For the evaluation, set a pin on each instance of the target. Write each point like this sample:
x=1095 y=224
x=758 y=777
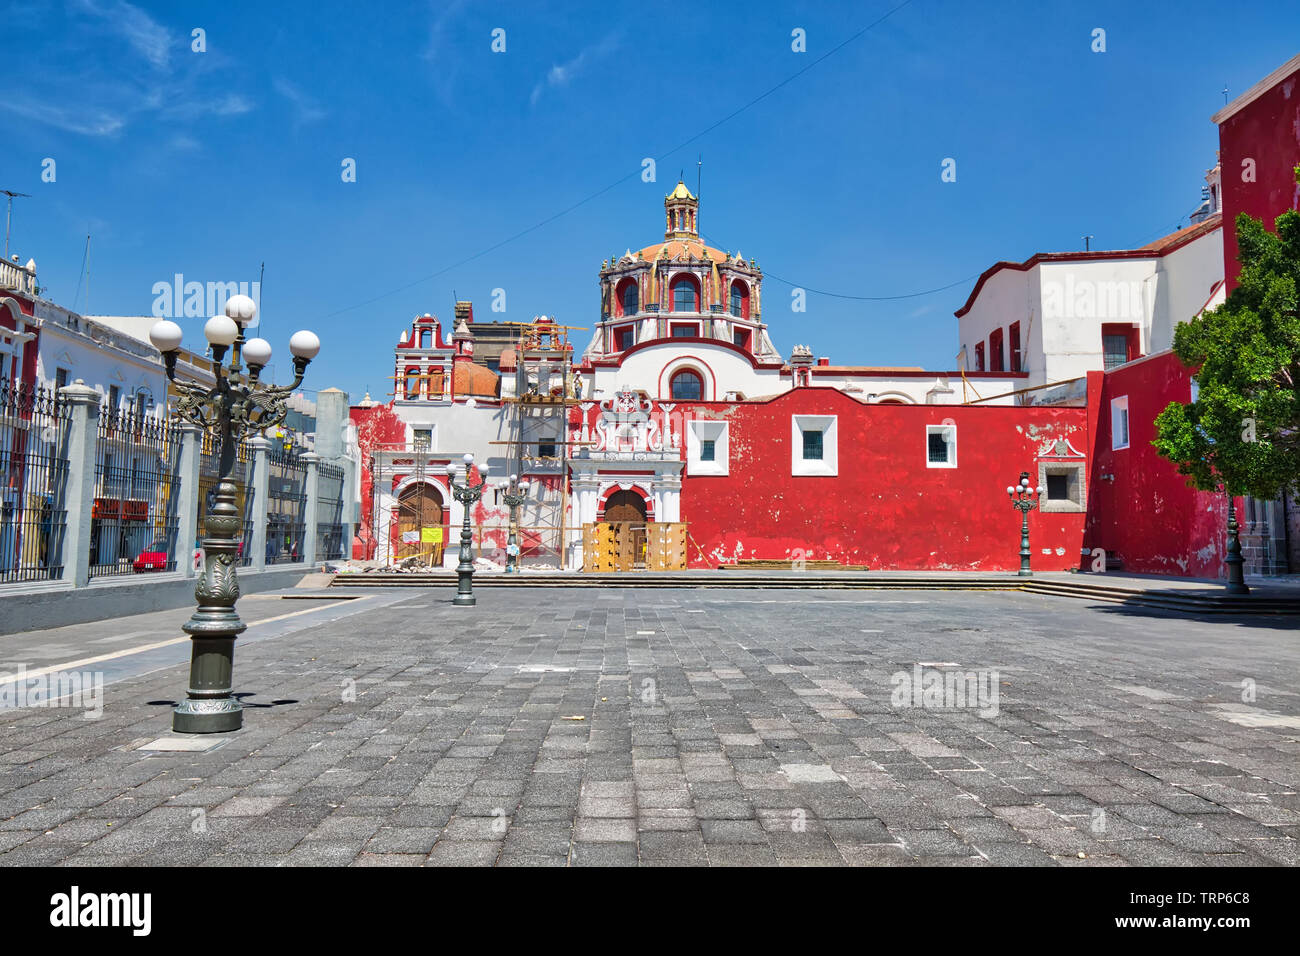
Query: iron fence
x=134 y=517
x=286 y=507
x=241 y=474
x=329 y=514
x=34 y=429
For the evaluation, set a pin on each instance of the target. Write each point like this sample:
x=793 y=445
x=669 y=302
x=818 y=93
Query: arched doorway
x=419 y=506
x=627 y=510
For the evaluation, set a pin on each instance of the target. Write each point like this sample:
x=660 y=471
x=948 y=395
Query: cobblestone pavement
x=682 y=727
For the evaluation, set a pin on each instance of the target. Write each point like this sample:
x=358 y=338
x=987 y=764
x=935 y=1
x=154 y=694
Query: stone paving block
x=464 y=853
x=453 y=741
x=604 y=830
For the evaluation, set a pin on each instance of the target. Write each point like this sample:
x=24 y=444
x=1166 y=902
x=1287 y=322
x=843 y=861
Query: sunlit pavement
x=555 y=727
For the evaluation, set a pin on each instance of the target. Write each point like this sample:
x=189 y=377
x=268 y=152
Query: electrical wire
x=636 y=172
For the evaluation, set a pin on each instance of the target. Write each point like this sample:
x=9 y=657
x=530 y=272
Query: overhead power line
x=636 y=172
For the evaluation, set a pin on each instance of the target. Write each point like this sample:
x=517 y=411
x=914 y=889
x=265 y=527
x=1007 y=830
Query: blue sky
x=209 y=164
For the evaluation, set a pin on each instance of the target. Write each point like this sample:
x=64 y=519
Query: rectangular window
x=814 y=445
x=1119 y=422
x=1064 y=483
x=423 y=438
x=995 y=351
x=706 y=447
x=114 y=396
x=1119 y=344
x=685 y=331
x=60 y=378
x=547 y=448
x=1015 y=346
x=1114 y=350
x=941 y=446
x=979 y=356
x=740 y=337
x=624 y=338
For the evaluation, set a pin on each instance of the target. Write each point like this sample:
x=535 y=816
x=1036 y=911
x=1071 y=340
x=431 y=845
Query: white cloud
x=92 y=122
x=306 y=109
x=142 y=32
x=561 y=74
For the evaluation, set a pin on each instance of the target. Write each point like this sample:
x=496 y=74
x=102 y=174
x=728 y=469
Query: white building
x=1057 y=316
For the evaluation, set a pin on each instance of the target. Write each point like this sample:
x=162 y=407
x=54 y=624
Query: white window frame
x=1118 y=406
x=429 y=427
x=702 y=430
x=1075 y=475
x=952 y=446
x=829 y=464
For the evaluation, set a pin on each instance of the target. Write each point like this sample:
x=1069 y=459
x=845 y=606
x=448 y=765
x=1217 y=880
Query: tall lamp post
x=1024 y=499
x=514 y=498
x=466 y=494
x=1234 y=561
x=237 y=404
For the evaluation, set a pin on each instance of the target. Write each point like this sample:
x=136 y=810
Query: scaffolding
x=537 y=436
x=418 y=515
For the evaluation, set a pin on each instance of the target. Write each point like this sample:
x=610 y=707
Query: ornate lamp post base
x=210 y=706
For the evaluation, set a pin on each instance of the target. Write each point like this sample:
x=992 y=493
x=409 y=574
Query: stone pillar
x=80 y=491
x=188 y=513
x=261 y=489
x=333 y=420
x=313 y=509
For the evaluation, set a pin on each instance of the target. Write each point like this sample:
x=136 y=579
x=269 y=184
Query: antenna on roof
x=1087 y=243
x=1225 y=94
x=85 y=256
x=699 y=173
x=10 y=214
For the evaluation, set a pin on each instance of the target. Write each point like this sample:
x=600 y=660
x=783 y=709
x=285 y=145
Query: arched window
x=412 y=383
x=687 y=386
x=628 y=297
x=686 y=295
x=740 y=300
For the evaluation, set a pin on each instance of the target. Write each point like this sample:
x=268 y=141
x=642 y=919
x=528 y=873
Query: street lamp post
x=237 y=404
x=514 y=499
x=466 y=494
x=1024 y=499
x=1234 y=561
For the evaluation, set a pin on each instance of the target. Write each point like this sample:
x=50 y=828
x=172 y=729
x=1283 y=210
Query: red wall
x=1149 y=515
x=377 y=426
x=1268 y=131
x=885 y=509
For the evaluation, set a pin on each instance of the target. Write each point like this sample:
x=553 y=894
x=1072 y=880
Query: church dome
x=471 y=380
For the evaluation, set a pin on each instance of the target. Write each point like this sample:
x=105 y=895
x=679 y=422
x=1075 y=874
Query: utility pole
x=10 y=214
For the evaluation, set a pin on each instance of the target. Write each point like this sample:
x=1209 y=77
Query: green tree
x=1243 y=429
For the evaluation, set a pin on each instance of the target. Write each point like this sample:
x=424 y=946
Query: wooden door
x=626 y=511
x=419 y=506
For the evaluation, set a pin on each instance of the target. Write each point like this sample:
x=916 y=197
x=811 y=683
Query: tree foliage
x=1243 y=429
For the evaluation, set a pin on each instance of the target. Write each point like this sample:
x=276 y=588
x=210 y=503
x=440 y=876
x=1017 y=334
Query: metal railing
x=329 y=517
x=33 y=478
x=134 y=517
x=286 y=507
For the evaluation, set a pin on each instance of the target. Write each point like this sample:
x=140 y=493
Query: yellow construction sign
x=431 y=536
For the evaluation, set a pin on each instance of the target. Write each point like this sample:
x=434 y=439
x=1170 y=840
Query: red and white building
x=682 y=408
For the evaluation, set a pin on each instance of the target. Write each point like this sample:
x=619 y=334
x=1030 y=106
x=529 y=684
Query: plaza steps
x=1085 y=587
